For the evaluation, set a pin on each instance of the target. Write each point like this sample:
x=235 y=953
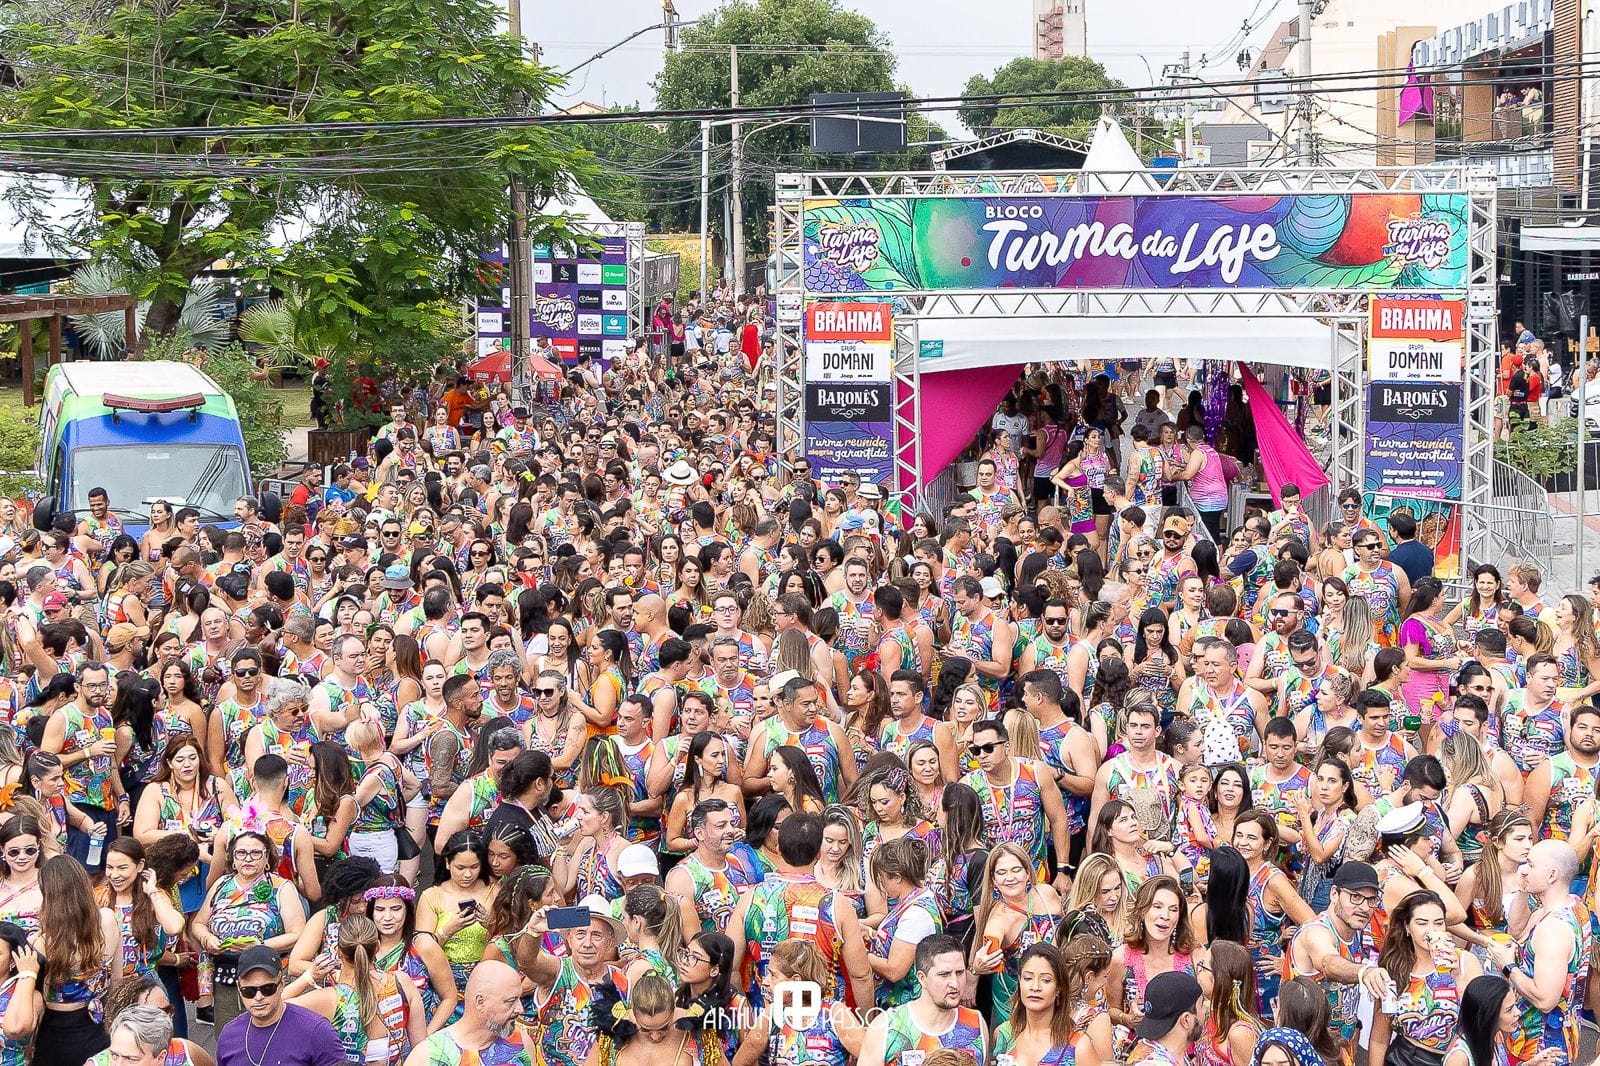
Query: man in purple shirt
x=271 y=1031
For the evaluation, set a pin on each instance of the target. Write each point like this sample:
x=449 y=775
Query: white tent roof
x=1112 y=166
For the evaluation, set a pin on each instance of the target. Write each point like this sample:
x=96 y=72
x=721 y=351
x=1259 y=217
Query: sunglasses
x=546 y=691
x=21 y=853
x=1372 y=544
x=985 y=749
x=1278 y=612
x=258 y=991
x=252 y=672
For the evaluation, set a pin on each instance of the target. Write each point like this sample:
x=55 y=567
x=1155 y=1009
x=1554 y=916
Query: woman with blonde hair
x=1101 y=888
x=1024 y=730
x=1014 y=914
x=1476 y=795
x=969 y=705
x=376 y=1016
x=1576 y=648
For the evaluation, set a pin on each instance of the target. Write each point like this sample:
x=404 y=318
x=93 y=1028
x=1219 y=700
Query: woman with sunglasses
x=557 y=728
x=20 y=899
x=250 y=905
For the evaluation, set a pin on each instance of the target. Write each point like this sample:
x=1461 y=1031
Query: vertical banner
x=580 y=304
x=849 y=364
x=1416 y=411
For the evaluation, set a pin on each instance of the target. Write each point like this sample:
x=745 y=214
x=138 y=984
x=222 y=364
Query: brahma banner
x=1415 y=339
x=849 y=365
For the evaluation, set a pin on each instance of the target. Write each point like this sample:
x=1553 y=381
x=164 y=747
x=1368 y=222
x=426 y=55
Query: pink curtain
x=1284 y=455
x=955 y=405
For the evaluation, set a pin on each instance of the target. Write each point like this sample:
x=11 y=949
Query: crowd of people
x=600 y=733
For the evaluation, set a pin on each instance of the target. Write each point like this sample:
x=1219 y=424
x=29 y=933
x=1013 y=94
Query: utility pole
x=521 y=274
x=705 y=204
x=1188 y=116
x=1307 y=146
x=737 y=176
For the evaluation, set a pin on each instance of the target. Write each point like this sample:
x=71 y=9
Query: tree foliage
x=789 y=49
x=1024 y=77
x=365 y=226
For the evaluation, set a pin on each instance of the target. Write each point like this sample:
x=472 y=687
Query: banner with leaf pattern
x=1342 y=241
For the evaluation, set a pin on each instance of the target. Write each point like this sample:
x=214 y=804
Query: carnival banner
x=1339 y=241
x=1414 y=439
x=849 y=422
x=1416 y=339
x=580 y=304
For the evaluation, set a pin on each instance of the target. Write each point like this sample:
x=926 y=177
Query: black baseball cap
x=1167 y=997
x=262 y=957
x=1353 y=875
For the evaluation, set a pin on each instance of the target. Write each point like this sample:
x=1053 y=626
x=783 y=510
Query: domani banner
x=1416 y=339
x=1341 y=241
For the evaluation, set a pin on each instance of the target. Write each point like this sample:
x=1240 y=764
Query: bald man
x=487 y=1031
x=1555 y=944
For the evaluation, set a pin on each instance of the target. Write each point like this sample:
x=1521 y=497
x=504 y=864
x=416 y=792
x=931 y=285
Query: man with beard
x=709 y=876
x=1333 y=949
x=935 y=1020
x=564 y=986
x=81 y=734
x=487 y=1031
x=1560 y=784
x=450 y=747
x=1174 y=1017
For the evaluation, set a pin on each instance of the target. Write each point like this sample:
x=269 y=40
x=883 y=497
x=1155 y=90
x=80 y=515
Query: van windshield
x=209 y=477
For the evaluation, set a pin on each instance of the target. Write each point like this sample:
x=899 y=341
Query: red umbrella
x=543 y=368
x=496 y=366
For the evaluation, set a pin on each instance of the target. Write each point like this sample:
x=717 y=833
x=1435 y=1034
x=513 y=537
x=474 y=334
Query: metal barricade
x=1520 y=522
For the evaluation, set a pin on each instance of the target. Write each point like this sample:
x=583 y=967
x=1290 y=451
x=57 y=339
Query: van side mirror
x=271 y=507
x=44 y=513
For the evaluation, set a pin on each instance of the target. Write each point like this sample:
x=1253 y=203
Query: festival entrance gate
x=1029 y=258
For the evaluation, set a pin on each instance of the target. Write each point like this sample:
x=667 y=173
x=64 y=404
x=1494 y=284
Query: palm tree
x=200 y=325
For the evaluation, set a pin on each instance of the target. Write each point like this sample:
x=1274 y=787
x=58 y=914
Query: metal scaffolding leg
x=1348 y=399
x=1477 y=474
x=908 y=413
x=790 y=293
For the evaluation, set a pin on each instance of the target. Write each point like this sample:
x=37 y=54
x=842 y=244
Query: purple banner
x=849 y=430
x=580 y=304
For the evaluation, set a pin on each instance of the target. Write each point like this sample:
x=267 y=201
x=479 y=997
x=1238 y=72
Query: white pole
x=1583 y=447
x=1303 y=47
x=737 y=176
x=705 y=203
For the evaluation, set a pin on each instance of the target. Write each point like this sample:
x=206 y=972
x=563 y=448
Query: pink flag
x=1284 y=455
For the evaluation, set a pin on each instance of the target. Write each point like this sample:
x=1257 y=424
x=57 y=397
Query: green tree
x=789 y=49
x=364 y=225
x=1024 y=77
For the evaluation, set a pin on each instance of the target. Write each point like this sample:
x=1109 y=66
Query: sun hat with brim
x=679 y=473
x=598 y=907
x=397 y=577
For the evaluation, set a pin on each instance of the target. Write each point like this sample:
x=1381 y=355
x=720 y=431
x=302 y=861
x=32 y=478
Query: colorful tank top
x=816 y=742
x=137 y=959
x=1159 y=783
x=792 y=1040
x=910 y=654
x=1344 y=999
x=892 y=735
x=1036 y=929
x=1214 y=1049
x=1266 y=941
x=441 y=1050
x=567 y=1036
x=340 y=698
x=88 y=781
x=1367 y=764
x=595 y=876
x=1053 y=742
x=1426 y=1010
x=1382 y=590
x=717 y=892
x=783 y=908
x=380 y=813
x=1012 y=813
x=979 y=634
x=352 y=1033
x=246 y=914
x=1558 y=1028
x=1529 y=734
x=1570 y=785
x=907 y=988
x=457 y=772
x=855 y=626
x=905 y=1043
x=641 y=829
x=403 y=958
x=1005 y=1041
x=1048 y=656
